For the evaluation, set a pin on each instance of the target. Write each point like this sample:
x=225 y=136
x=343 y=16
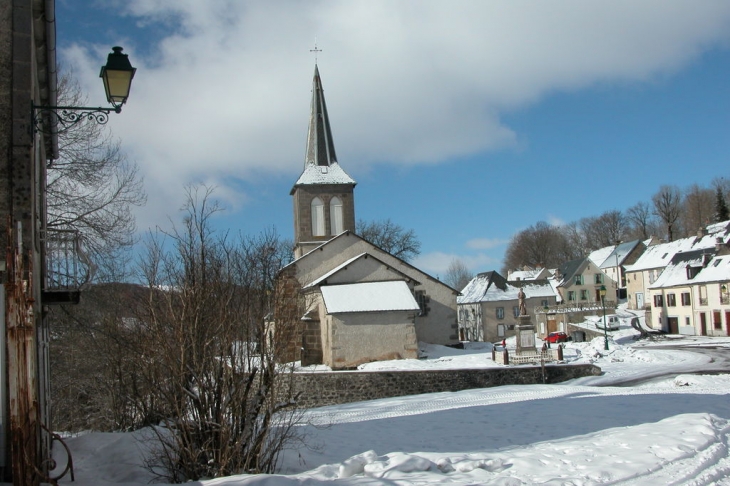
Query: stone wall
x=333 y=388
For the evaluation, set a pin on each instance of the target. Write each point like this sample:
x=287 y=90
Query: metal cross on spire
x=315 y=50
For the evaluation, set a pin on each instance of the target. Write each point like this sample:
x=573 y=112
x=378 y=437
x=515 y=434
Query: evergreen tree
x=721 y=210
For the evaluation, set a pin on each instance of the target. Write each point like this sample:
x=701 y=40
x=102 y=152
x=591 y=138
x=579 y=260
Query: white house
x=691 y=295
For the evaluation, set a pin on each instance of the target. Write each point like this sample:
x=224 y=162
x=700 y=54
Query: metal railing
x=66 y=265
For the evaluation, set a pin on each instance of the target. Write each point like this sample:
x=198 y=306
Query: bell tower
x=323 y=195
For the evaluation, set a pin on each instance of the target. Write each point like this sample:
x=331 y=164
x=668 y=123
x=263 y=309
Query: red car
x=556 y=337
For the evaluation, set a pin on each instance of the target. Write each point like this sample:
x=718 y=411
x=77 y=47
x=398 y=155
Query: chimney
x=702 y=231
x=706 y=257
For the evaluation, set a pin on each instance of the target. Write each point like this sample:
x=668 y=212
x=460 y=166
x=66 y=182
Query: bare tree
x=92 y=187
x=641 y=220
x=541 y=245
x=667 y=206
x=391 y=237
x=210 y=349
x=697 y=207
x=458 y=274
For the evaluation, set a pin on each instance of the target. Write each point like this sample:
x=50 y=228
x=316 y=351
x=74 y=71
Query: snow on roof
x=619 y=254
x=658 y=256
x=316 y=174
x=369 y=297
x=531 y=274
x=480 y=290
x=510 y=293
x=599 y=256
x=715 y=269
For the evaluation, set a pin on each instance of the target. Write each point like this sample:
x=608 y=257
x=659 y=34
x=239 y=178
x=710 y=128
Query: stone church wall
x=333 y=388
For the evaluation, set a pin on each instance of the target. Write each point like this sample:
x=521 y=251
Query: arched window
x=336 y=215
x=317 y=217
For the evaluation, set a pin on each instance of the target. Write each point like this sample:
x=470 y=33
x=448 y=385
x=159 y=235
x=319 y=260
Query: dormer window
x=692 y=272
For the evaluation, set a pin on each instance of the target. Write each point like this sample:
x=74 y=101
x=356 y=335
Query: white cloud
x=555 y=221
x=485 y=243
x=226 y=94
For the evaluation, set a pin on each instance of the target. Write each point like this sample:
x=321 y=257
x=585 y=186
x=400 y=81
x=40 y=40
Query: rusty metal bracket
x=51 y=463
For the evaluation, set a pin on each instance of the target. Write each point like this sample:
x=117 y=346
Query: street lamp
x=602 y=291
x=117 y=76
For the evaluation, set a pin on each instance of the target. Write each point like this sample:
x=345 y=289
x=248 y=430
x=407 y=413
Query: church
x=360 y=303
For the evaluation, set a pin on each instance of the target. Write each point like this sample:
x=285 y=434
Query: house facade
x=650 y=265
x=358 y=302
x=614 y=266
x=488 y=307
x=692 y=295
x=580 y=282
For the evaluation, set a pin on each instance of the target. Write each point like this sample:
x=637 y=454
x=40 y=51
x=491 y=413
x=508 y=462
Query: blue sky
x=466 y=121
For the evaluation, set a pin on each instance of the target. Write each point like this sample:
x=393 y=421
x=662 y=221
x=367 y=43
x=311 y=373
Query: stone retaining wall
x=333 y=388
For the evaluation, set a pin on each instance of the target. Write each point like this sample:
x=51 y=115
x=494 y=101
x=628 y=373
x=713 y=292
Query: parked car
x=612 y=323
x=556 y=337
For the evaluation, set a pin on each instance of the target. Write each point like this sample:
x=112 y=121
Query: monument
x=525 y=329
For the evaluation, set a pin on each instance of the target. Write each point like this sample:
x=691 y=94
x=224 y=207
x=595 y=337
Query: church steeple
x=323 y=194
x=320 y=147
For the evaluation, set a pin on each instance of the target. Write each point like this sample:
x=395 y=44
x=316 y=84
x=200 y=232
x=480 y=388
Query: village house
x=650 y=265
x=488 y=307
x=580 y=282
x=691 y=295
x=614 y=263
x=358 y=302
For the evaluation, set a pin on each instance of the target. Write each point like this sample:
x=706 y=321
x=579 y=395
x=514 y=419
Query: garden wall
x=332 y=388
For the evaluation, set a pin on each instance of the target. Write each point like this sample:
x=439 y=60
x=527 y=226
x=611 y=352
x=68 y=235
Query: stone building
x=358 y=302
x=27 y=75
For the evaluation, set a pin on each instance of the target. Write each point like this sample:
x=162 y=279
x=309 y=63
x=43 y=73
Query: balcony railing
x=67 y=268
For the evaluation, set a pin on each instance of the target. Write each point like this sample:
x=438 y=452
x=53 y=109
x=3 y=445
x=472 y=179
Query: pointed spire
x=320 y=146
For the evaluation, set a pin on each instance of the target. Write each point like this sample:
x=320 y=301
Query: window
x=579 y=279
x=659 y=300
x=724 y=297
x=671 y=300
x=703 y=295
x=584 y=294
x=336 y=215
x=317 y=217
x=687 y=321
x=598 y=278
x=686 y=300
x=571 y=295
x=500 y=312
x=422 y=300
x=544 y=303
x=651 y=276
x=516 y=311
x=500 y=330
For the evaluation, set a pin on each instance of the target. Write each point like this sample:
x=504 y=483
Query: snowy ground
x=672 y=430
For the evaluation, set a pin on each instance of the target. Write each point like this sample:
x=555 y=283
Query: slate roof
x=599 y=256
x=320 y=161
x=568 y=270
x=619 y=253
x=369 y=297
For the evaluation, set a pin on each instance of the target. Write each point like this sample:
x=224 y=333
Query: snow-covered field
x=672 y=430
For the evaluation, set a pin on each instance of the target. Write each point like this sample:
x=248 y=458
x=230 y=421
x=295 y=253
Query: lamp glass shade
x=117 y=76
x=602 y=291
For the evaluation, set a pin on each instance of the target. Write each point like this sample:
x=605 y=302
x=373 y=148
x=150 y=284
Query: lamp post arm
x=62 y=118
